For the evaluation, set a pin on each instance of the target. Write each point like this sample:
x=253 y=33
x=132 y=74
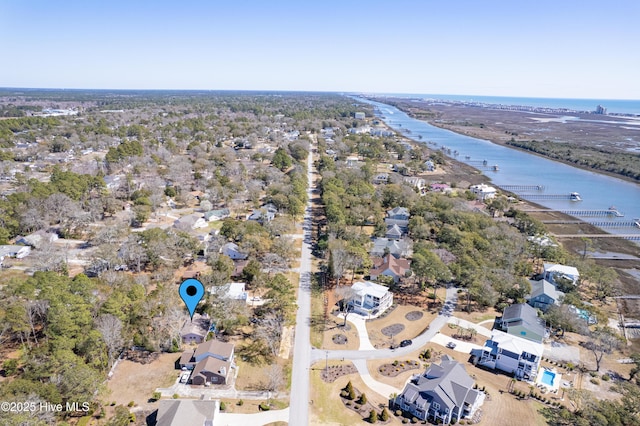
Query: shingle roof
x=178 y=412
x=215 y=347
x=448 y=382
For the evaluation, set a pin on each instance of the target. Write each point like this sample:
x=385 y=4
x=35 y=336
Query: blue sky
x=579 y=49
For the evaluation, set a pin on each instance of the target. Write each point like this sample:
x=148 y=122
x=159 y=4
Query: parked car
x=184 y=377
x=451 y=345
x=405 y=343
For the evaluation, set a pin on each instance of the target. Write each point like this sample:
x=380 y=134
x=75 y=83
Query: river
x=598 y=192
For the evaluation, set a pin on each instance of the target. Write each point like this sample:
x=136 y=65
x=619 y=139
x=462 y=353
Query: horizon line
x=340 y=92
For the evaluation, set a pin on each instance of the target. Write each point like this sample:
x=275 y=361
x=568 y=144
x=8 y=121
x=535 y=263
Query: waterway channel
x=598 y=192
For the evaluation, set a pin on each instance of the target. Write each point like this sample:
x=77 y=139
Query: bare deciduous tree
x=110 y=327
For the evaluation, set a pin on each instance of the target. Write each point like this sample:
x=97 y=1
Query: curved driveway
x=421 y=340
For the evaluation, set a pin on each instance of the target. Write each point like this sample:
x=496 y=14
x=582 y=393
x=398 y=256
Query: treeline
x=68 y=332
x=623 y=164
x=11 y=126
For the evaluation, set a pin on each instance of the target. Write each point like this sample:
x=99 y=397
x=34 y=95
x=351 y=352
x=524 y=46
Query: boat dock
x=612 y=224
x=517 y=188
x=540 y=197
x=631 y=237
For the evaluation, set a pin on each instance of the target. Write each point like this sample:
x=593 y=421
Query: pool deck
x=544 y=388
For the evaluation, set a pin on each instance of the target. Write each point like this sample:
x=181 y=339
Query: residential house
x=233 y=251
x=430 y=166
x=522 y=320
x=190 y=221
x=231 y=291
x=370 y=298
x=443 y=394
x=264 y=214
x=439 y=187
x=543 y=295
x=196 y=329
x=352 y=161
x=389 y=266
x=381 y=178
x=397 y=248
x=179 y=412
x=554 y=272
x=359 y=115
x=398 y=213
x=14 y=251
x=37 y=238
x=210 y=361
x=394 y=232
x=397 y=222
x=511 y=354
x=417 y=182
x=483 y=191
x=214 y=215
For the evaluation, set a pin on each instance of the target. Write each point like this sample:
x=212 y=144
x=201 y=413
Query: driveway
x=257 y=419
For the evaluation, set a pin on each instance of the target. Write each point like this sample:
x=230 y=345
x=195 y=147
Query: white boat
x=574 y=196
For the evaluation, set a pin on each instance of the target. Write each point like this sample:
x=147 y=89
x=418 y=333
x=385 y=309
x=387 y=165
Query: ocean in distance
x=614 y=106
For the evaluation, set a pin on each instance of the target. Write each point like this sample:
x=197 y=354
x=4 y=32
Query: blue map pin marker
x=191 y=292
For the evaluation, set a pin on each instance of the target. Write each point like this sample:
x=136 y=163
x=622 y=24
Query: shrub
x=570 y=366
x=264 y=407
x=414 y=420
x=240 y=403
x=175 y=396
x=405 y=421
x=395 y=363
x=348 y=403
x=384 y=416
x=606 y=377
x=593 y=373
x=398 y=413
x=156 y=396
x=363 y=398
x=595 y=381
x=357 y=407
x=223 y=406
x=132 y=418
x=373 y=416
x=131 y=404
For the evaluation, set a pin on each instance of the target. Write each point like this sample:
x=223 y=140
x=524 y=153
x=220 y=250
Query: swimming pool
x=548 y=377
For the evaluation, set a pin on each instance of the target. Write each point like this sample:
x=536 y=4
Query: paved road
x=299 y=402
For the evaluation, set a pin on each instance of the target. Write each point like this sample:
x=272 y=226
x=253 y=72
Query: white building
x=370 y=298
x=511 y=354
x=483 y=192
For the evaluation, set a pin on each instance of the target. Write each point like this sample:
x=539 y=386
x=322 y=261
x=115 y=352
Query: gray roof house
x=394 y=232
x=178 y=412
x=397 y=248
x=398 y=213
x=233 y=251
x=443 y=393
x=213 y=215
x=522 y=320
x=264 y=214
x=543 y=295
x=195 y=330
x=554 y=272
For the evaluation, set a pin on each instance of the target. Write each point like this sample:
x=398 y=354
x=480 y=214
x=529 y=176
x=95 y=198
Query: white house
x=359 y=115
x=190 y=221
x=232 y=290
x=511 y=354
x=553 y=272
x=483 y=192
x=370 y=298
x=14 y=251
